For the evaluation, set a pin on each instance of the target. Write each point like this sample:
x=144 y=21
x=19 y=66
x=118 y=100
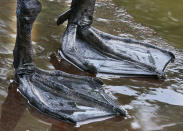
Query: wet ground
x=151 y=104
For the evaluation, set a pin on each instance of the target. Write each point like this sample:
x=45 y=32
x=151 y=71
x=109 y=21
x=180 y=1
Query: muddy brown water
x=151 y=104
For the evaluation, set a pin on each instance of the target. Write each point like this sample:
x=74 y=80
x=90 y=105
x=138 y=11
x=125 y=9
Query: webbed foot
x=71 y=98
x=106 y=53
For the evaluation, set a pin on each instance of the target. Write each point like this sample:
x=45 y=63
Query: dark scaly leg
x=27 y=11
x=80 y=13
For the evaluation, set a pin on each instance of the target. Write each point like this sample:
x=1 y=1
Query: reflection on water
x=165 y=16
x=151 y=104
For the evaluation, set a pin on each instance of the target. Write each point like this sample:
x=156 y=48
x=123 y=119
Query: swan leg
x=27 y=11
x=80 y=13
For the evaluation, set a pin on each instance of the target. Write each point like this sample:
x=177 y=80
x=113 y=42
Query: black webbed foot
x=107 y=53
x=64 y=96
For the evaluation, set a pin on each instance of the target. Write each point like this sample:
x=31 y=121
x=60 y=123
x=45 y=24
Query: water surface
x=151 y=104
x=164 y=16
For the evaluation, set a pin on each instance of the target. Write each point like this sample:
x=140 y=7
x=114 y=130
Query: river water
x=151 y=104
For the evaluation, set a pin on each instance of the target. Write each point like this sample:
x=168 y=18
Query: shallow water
x=151 y=104
x=164 y=16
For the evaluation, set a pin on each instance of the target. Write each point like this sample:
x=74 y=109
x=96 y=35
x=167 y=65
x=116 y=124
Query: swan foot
x=67 y=97
x=107 y=53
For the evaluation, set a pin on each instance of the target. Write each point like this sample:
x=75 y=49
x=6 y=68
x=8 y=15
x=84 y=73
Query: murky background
x=151 y=104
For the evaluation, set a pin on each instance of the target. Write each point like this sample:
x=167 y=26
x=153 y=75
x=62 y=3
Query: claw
x=63 y=17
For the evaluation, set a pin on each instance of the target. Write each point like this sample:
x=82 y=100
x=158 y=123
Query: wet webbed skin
x=68 y=97
x=98 y=52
